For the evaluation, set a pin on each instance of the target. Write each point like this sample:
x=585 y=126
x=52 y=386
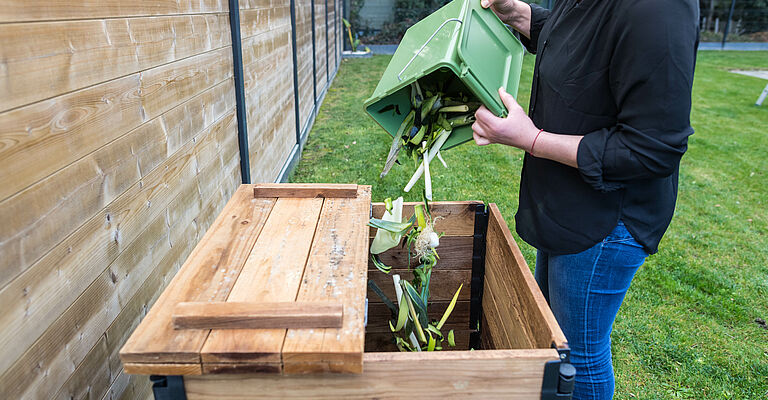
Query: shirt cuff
x=590 y=156
x=539 y=16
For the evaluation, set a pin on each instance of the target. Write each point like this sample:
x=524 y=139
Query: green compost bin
x=461 y=43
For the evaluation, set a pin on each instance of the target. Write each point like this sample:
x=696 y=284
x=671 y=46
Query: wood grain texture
x=454 y=218
x=513 y=289
x=269 y=92
x=455 y=254
x=218 y=259
x=336 y=271
x=162 y=369
x=66 y=342
x=40 y=295
x=482 y=374
x=443 y=284
x=37 y=10
x=252 y=315
x=65 y=128
x=40 y=216
x=272 y=273
x=71 y=55
x=302 y=190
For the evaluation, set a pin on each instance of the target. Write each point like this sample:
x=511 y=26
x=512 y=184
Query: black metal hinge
x=559 y=377
x=478 y=275
x=168 y=387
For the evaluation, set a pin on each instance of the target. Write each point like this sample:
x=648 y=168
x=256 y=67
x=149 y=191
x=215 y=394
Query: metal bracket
x=559 y=377
x=425 y=45
x=168 y=387
x=478 y=274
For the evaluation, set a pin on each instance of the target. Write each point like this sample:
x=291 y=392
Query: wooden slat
x=273 y=272
x=217 y=259
x=65 y=128
x=304 y=190
x=37 y=10
x=455 y=253
x=251 y=315
x=482 y=374
x=442 y=287
x=505 y=324
x=514 y=288
x=162 y=369
x=71 y=55
x=93 y=380
x=336 y=271
x=454 y=218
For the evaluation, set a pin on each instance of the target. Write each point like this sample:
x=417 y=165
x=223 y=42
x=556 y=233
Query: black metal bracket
x=314 y=60
x=237 y=63
x=478 y=275
x=168 y=387
x=295 y=74
x=559 y=377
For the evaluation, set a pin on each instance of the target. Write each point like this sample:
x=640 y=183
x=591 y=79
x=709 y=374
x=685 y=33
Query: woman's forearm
x=521 y=19
x=556 y=147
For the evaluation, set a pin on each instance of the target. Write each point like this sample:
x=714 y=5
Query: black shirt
x=620 y=73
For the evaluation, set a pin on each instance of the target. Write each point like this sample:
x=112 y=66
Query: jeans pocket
x=620 y=234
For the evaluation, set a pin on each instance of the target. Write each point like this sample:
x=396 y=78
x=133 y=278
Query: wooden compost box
x=272 y=304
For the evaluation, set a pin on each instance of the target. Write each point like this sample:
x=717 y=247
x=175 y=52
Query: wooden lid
x=285 y=255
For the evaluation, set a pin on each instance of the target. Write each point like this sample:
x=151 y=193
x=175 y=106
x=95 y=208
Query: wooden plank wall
x=118 y=148
x=304 y=62
x=268 y=75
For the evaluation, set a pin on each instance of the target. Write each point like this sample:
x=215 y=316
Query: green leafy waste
x=410 y=325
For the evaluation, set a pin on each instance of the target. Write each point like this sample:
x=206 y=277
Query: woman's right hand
x=514 y=13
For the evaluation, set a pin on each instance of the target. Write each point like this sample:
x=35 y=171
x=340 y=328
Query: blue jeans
x=585 y=291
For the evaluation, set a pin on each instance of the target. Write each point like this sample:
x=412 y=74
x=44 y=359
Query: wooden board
x=218 y=258
x=36 y=10
x=273 y=272
x=94 y=51
x=455 y=253
x=454 y=218
x=304 y=190
x=336 y=270
x=481 y=374
x=519 y=305
x=251 y=315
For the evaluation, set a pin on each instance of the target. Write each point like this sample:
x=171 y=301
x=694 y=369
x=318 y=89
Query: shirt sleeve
x=539 y=16
x=651 y=75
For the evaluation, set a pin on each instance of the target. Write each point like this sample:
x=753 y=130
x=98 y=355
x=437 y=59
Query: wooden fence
x=119 y=145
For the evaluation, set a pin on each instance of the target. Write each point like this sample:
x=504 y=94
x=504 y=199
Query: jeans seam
x=586 y=306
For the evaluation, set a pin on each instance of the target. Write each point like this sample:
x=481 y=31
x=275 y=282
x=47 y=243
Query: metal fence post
x=728 y=23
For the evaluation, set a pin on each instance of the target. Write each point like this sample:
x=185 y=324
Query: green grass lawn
x=688 y=326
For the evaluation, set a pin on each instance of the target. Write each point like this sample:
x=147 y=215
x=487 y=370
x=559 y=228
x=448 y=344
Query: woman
x=609 y=122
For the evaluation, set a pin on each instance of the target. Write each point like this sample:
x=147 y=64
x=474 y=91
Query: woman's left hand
x=515 y=130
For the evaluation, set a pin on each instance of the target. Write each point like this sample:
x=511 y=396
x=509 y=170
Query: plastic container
x=460 y=40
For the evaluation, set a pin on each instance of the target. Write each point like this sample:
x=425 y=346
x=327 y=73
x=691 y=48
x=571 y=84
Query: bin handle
x=425 y=44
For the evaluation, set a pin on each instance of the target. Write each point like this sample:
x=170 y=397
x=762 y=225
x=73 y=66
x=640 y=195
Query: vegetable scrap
x=434 y=114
